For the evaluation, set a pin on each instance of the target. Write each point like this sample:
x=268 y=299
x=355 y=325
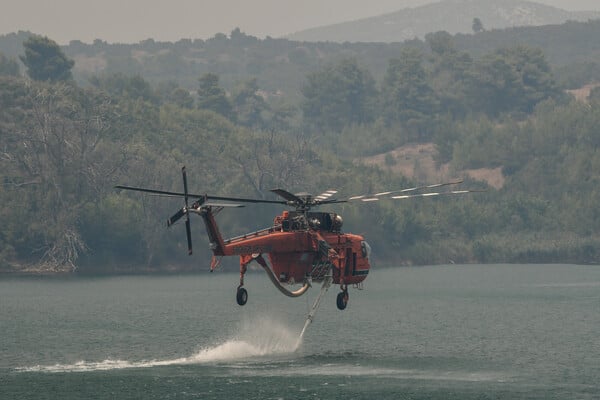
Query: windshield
x=366 y=249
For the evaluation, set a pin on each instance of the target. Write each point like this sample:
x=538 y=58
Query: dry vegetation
x=417 y=161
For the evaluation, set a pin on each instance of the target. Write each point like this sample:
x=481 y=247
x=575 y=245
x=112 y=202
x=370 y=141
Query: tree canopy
x=211 y=96
x=339 y=94
x=512 y=79
x=406 y=91
x=45 y=61
x=8 y=66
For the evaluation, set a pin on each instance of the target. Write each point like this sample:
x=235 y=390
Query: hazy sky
x=129 y=21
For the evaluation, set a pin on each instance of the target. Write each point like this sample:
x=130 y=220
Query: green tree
x=338 y=95
x=239 y=38
x=8 y=66
x=45 y=61
x=248 y=104
x=440 y=43
x=212 y=97
x=406 y=93
x=280 y=116
x=131 y=87
x=449 y=74
x=55 y=155
x=477 y=25
x=171 y=92
x=511 y=79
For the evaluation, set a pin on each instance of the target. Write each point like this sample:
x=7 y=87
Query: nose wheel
x=241 y=296
x=342 y=299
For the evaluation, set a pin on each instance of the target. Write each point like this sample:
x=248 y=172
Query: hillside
x=417 y=162
x=453 y=16
x=281 y=65
x=305 y=116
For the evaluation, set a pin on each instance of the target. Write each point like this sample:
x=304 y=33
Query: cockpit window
x=365 y=249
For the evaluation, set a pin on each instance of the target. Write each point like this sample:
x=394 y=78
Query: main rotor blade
x=241 y=199
x=412 y=189
x=198 y=196
x=332 y=201
x=213 y=204
x=325 y=195
x=436 y=185
x=433 y=194
x=287 y=195
x=153 y=191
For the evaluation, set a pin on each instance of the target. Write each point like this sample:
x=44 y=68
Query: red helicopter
x=300 y=247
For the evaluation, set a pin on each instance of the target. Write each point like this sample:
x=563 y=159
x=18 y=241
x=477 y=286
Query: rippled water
x=448 y=332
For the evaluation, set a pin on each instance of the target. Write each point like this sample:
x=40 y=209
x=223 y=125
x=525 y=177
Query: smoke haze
x=135 y=20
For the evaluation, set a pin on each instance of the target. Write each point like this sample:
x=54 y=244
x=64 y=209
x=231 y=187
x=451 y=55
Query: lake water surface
x=444 y=332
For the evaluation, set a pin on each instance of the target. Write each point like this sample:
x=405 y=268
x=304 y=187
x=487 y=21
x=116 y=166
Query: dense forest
x=280 y=66
x=66 y=139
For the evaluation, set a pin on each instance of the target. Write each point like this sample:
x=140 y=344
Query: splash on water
x=301 y=337
x=258 y=338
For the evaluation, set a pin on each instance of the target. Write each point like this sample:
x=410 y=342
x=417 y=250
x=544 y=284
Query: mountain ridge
x=453 y=16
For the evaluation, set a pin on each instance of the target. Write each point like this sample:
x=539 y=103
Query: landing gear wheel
x=241 y=296
x=342 y=300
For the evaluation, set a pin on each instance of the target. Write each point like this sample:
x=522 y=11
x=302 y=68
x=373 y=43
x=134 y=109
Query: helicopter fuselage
x=300 y=247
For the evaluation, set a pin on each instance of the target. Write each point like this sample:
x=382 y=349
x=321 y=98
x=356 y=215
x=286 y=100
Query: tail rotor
x=184 y=211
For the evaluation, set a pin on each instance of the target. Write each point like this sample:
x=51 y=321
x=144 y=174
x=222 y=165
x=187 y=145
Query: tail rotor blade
x=175 y=217
x=185 y=187
x=184 y=211
x=188 y=229
x=188 y=232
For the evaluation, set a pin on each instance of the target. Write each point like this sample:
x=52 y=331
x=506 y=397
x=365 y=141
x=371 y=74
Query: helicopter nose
x=365 y=249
